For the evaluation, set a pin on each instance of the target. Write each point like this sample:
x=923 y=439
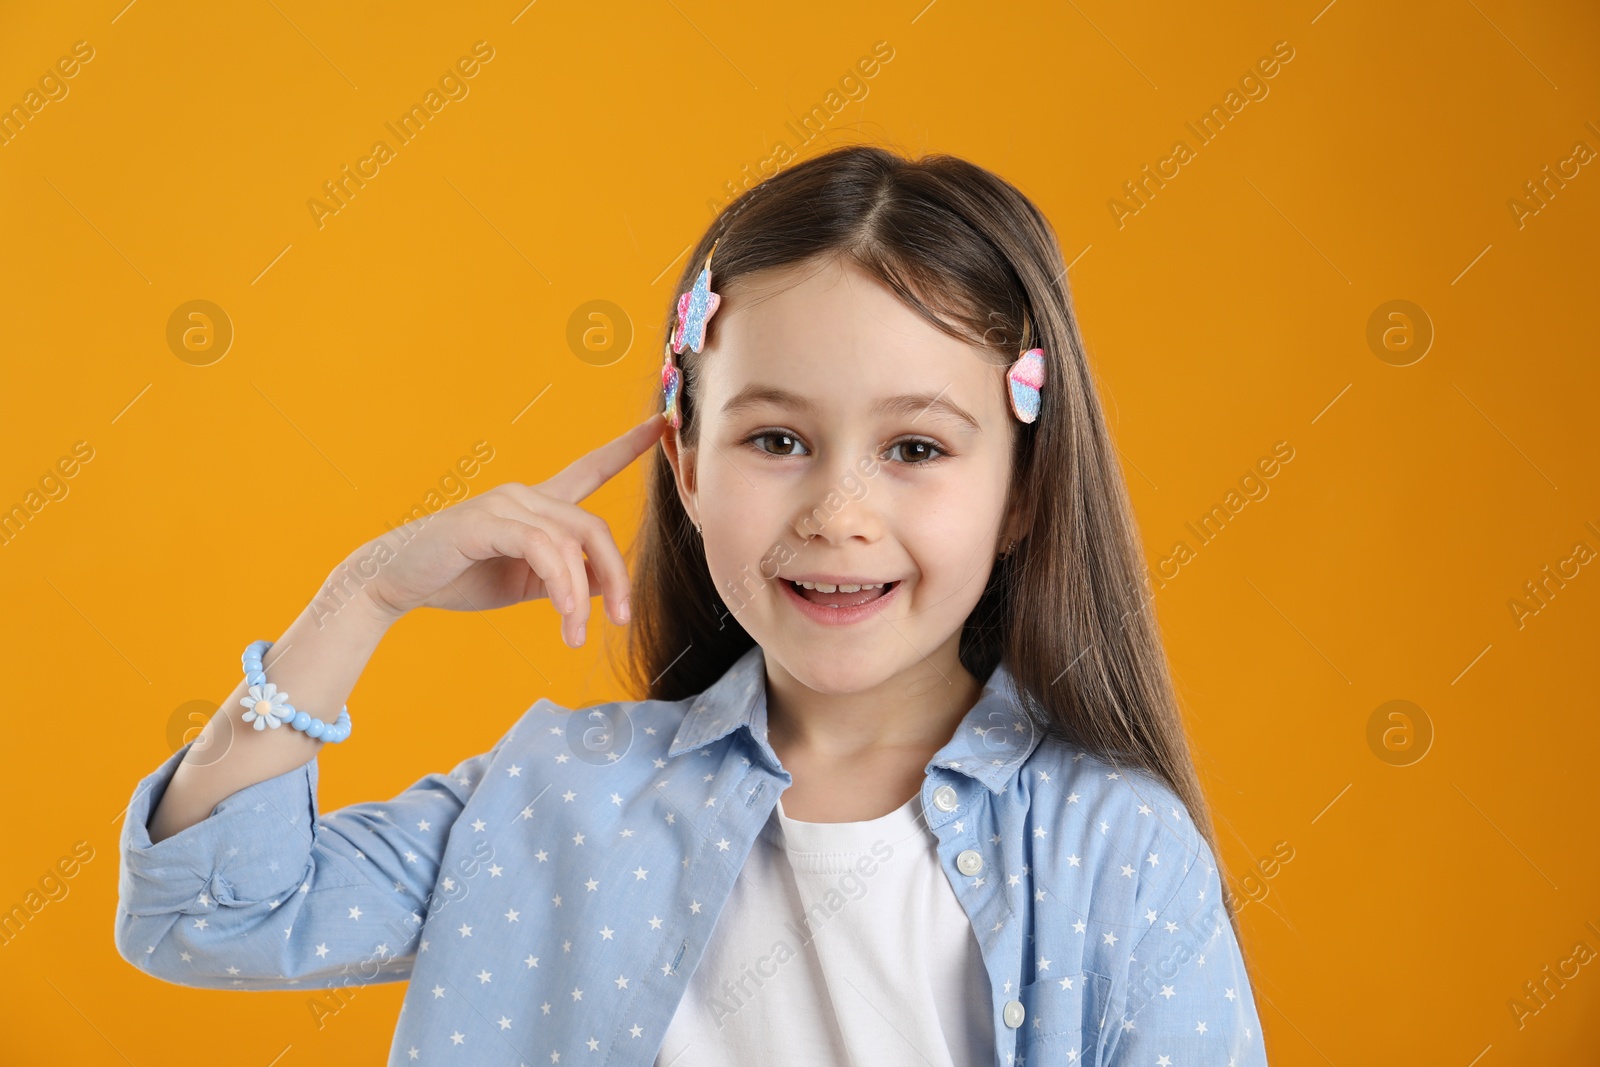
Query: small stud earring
x=1009 y=547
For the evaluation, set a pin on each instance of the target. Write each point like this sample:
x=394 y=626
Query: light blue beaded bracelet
x=269 y=706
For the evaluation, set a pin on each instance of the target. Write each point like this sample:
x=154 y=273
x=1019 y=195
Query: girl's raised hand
x=513 y=543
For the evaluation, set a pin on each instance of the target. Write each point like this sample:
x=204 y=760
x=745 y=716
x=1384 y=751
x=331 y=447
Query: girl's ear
x=683 y=470
x=1012 y=528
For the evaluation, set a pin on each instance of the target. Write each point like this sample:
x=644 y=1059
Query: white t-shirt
x=841 y=943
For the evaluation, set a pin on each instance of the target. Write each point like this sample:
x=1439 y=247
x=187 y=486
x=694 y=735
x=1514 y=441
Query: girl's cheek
x=955 y=513
x=743 y=522
x=954 y=534
x=753 y=494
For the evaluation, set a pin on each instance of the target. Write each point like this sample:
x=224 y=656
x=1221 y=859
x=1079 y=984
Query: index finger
x=587 y=473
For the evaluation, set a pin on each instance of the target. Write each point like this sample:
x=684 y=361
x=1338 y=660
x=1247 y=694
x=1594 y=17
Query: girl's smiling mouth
x=839 y=602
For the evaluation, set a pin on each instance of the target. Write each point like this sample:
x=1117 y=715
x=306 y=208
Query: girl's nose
x=841 y=505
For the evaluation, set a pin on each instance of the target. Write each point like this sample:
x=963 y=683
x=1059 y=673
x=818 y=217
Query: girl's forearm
x=316 y=662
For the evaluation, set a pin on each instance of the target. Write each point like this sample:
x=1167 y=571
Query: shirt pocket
x=1063 y=1022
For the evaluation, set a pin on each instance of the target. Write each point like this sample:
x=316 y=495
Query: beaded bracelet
x=269 y=706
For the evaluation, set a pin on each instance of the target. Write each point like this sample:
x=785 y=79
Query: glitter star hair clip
x=695 y=309
x=671 y=383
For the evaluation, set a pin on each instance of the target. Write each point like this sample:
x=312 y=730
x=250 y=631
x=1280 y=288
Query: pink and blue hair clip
x=1024 y=380
x=267 y=705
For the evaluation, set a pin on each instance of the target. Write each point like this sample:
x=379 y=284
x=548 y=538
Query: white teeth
x=823 y=587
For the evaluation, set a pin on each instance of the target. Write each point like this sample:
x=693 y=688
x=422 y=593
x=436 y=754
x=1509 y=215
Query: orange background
x=1228 y=313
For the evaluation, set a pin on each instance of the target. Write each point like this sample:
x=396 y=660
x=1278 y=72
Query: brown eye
x=787 y=443
x=917 y=452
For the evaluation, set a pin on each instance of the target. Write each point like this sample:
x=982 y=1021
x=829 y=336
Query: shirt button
x=1014 y=1013
x=944 y=798
x=969 y=862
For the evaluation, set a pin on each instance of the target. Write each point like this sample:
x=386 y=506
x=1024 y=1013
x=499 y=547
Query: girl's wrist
x=380 y=614
x=349 y=589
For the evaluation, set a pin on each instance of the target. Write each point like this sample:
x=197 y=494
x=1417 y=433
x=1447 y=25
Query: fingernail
x=581 y=630
x=622 y=610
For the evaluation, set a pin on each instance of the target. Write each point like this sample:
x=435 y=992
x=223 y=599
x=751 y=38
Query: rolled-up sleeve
x=268 y=893
x=1186 y=998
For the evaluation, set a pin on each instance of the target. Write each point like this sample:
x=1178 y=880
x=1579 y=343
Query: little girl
x=909 y=784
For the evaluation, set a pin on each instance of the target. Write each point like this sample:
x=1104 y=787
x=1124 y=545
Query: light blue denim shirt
x=549 y=899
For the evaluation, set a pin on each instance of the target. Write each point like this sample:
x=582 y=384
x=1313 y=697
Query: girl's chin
x=835 y=668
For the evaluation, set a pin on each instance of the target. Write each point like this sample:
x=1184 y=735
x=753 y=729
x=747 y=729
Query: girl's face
x=842 y=437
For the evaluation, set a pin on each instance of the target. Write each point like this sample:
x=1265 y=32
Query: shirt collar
x=738 y=698
x=994 y=739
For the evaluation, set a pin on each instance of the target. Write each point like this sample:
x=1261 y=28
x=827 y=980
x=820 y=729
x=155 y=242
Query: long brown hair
x=1069 y=609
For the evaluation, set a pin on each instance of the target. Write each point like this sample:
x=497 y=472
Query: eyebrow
x=913 y=404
